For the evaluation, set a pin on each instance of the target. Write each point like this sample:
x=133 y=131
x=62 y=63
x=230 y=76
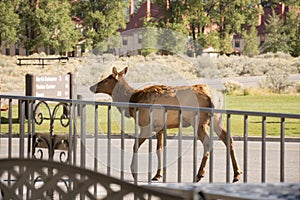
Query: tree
x=251 y=43
x=48 y=24
x=102 y=19
x=232 y=18
x=213 y=21
x=9 y=21
x=276 y=38
x=149 y=36
x=27 y=24
x=55 y=28
x=292 y=29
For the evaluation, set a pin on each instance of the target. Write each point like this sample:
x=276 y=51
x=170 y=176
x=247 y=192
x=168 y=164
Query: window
x=262 y=40
x=140 y=38
x=7 y=51
x=237 y=43
x=125 y=41
x=17 y=50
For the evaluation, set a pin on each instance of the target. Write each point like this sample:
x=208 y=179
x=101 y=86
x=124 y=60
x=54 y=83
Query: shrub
x=148 y=51
x=205 y=67
x=233 y=87
x=276 y=80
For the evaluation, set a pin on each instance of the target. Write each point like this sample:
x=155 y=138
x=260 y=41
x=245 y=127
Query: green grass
x=270 y=103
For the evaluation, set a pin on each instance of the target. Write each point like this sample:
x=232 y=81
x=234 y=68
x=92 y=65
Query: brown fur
x=195 y=96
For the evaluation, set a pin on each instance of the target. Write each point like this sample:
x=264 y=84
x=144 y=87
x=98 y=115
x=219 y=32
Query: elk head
x=108 y=84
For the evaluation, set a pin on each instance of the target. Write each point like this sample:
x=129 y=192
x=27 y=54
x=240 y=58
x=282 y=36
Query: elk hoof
x=237 y=176
x=199 y=178
x=156 y=178
x=134 y=175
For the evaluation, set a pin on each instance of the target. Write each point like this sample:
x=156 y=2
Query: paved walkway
x=292 y=159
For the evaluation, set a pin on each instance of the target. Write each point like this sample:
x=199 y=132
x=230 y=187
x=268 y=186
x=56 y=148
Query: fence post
x=282 y=125
x=245 y=148
x=30 y=90
x=263 y=150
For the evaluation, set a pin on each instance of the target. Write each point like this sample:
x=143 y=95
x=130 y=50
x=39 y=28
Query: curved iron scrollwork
x=67 y=182
x=50 y=140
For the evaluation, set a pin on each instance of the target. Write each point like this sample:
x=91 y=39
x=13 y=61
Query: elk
x=196 y=95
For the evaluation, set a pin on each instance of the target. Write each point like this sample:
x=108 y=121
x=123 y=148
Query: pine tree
x=102 y=19
x=9 y=21
x=292 y=30
x=276 y=38
x=48 y=24
x=251 y=43
x=55 y=28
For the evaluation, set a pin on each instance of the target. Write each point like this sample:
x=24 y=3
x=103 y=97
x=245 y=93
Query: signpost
x=50 y=86
x=61 y=86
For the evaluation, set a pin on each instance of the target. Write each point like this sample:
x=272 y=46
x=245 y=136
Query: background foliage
x=49 y=23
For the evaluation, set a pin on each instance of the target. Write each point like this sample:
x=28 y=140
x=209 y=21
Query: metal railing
x=86 y=133
x=40 y=179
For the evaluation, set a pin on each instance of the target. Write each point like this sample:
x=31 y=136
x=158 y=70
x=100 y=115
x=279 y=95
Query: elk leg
x=236 y=169
x=204 y=138
x=159 y=148
x=141 y=140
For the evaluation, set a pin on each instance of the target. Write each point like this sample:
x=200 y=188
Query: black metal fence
x=98 y=136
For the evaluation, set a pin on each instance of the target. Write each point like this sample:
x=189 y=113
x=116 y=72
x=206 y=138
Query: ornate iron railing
x=81 y=147
x=40 y=179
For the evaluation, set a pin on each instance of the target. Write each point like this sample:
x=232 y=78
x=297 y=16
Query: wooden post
x=30 y=90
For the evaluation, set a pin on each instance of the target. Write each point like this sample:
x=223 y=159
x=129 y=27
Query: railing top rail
x=155 y=106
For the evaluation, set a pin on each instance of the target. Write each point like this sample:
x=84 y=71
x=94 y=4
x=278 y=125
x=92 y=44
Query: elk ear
x=124 y=71
x=114 y=71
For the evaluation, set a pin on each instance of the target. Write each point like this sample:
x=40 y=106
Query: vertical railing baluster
x=9 y=127
x=33 y=134
x=136 y=137
x=83 y=141
x=196 y=121
x=282 y=148
x=108 y=140
x=165 y=119
x=150 y=145
x=179 y=164
x=29 y=135
x=9 y=135
x=211 y=144
x=245 y=148
x=21 y=128
x=96 y=146
x=75 y=113
x=122 y=142
x=0 y=119
x=71 y=142
x=263 y=150
x=21 y=139
x=83 y=136
x=228 y=149
x=29 y=138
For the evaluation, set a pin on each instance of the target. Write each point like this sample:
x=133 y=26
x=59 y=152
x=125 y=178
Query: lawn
x=270 y=103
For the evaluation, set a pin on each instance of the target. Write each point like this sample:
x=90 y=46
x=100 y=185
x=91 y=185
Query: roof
x=137 y=20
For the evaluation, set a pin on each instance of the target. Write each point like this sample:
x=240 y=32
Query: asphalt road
x=251 y=81
x=292 y=159
x=214 y=83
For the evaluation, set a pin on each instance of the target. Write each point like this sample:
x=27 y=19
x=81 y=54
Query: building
x=280 y=9
x=131 y=38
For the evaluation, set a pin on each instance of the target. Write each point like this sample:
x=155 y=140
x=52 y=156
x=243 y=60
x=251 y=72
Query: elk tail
x=217 y=102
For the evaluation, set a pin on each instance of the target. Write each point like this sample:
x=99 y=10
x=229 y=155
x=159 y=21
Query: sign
x=49 y=86
x=52 y=86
